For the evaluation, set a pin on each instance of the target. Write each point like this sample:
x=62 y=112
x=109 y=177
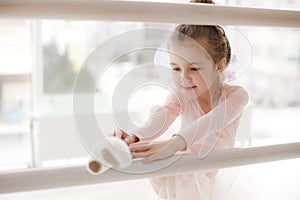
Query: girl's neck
x=211 y=97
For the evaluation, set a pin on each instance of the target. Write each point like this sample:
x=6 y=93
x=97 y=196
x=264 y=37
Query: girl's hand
x=156 y=150
x=128 y=138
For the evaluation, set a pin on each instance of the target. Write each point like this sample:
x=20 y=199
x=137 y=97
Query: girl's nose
x=186 y=76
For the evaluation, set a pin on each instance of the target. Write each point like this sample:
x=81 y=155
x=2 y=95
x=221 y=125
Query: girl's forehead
x=188 y=51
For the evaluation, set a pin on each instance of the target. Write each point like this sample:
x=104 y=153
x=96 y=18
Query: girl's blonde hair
x=217 y=44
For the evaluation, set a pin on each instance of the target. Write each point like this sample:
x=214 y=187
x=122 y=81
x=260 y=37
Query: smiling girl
x=210 y=110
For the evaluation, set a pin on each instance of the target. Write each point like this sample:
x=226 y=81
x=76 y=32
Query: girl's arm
x=219 y=117
x=159 y=121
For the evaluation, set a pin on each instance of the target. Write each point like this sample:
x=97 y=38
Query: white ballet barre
x=37 y=179
x=148 y=12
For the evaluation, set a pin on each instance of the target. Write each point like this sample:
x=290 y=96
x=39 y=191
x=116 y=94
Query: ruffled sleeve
x=160 y=120
x=212 y=123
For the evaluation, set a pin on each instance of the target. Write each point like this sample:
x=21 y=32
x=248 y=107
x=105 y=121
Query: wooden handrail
x=189 y=13
x=46 y=178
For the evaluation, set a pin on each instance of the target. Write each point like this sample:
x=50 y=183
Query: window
x=63 y=47
x=15 y=91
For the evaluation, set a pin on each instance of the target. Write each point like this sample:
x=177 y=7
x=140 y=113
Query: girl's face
x=193 y=70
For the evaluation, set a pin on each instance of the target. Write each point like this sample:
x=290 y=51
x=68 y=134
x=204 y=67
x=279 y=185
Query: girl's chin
x=191 y=92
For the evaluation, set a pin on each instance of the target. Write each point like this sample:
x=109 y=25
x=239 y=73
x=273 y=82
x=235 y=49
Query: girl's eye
x=195 y=68
x=176 y=69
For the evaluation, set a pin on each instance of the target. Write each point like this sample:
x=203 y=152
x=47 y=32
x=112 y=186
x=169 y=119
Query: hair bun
x=202 y=1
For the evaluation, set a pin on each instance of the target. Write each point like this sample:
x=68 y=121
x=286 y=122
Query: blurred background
x=39 y=61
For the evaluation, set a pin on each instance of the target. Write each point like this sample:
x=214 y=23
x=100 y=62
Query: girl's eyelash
x=195 y=68
x=192 y=68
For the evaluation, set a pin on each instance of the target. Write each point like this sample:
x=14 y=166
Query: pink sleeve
x=218 y=118
x=159 y=121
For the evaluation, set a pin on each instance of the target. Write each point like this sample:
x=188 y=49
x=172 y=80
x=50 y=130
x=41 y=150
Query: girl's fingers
x=140 y=146
x=130 y=139
x=115 y=134
x=143 y=143
x=119 y=134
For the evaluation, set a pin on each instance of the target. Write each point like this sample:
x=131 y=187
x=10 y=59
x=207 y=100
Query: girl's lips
x=189 y=88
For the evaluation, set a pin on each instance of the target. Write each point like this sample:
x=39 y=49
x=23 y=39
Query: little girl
x=210 y=111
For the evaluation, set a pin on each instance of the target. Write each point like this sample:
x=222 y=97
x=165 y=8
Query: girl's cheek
x=203 y=78
x=176 y=79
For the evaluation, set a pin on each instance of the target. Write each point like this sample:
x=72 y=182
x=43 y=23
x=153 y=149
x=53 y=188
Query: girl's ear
x=221 y=65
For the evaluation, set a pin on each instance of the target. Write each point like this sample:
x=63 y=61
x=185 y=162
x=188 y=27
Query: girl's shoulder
x=236 y=91
x=234 y=88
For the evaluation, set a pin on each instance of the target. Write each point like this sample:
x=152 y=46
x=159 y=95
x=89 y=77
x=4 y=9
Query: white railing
x=148 y=12
x=37 y=179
